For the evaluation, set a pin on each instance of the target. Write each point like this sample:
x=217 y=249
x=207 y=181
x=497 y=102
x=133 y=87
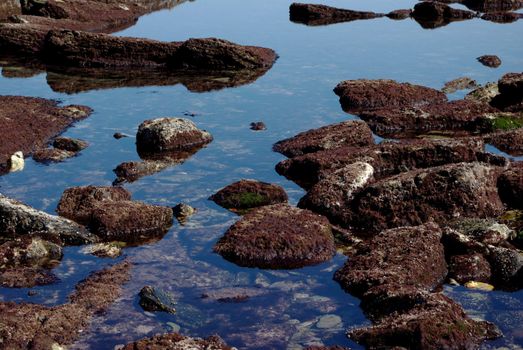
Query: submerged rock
x=278 y=237
x=69 y=144
x=29 y=123
x=170 y=134
x=128 y=221
x=105 y=250
x=247 y=194
x=348 y=133
x=19 y=219
x=52 y=155
x=78 y=203
x=314 y=14
x=373 y=94
x=492 y=61
x=155 y=299
x=182 y=212
x=175 y=341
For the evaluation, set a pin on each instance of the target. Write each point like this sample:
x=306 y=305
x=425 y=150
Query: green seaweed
x=247 y=200
x=505 y=122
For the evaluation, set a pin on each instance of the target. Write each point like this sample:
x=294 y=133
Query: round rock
x=278 y=237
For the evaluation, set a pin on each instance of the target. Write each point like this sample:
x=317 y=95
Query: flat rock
x=247 y=194
x=491 y=61
x=52 y=155
x=314 y=14
x=78 y=203
x=232 y=294
x=69 y=144
x=28 y=123
x=170 y=134
x=374 y=94
x=440 y=194
x=347 y=133
x=131 y=222
x=464 y=83
x=175 y=341
x=278 y=237
x=19 y=219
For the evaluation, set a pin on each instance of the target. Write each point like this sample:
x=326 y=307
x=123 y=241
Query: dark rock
x=387 y=158
x=510 y=96
x=19 y=219
x=510 y=186
x=248 y=194
x=29 y=123
x=435 y=323
x=29 y=251
x=175 y=341
x=494 y=6
x=507 y=267
x=155 y=299
x=510 y=142
x=18 y=39
x=473 y=267
x=9 y=8
x=132 y=222
x=278 y=237
x=170 y=134
x=415 y=197
x=53 y=155
x=258 y=126
x=446 y=116
x=401 y=257
x=491 y=61
x=464 y=83
x=348 y=133
x=399 y=14
x=182 y=212
x=69 y=144
x=357 y=95
x=119 y=135
x=313 y=14
x=431 y=14
x=26 y=277
x=502 y=17
x=32 y=326
x=78 y=203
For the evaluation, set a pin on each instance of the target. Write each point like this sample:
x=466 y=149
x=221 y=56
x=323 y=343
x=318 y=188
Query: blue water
x=295 y=95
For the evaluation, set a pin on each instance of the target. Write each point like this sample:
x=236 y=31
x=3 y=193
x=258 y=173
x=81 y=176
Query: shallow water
x=295 y=95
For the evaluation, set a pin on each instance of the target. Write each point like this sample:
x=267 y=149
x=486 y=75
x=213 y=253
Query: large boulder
x=170 y=134
x=347 y=133
x=510 y=185
x=247 y=194
x=373 y=94
x=78 y=203
x=278 y=237
x=510 y=96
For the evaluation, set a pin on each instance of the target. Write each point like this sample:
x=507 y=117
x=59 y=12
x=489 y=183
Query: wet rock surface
x=52 y=155
x=155 y=299
x=175 y=341
x=348 y=133
x=29 y=123
x=247 y=194
x=463 y=83
x=313 y=14
x=492 y=61
x=278 y=236
x=32 y=326
x=510 y=142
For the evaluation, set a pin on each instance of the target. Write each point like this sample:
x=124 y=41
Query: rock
x=29 y=123
x=332 y=195
x=9 y=8
x=501 y=17
x=399 y=14
x=175 y=341
x=357 y=95
x=446 y=116
x=479 y=286
x=247 y=194
x=387 y=158
x=28 y=325
x=16 y=162
x=232 y=294
x=26 y=277
x=133 y=171
x=507 y=267
x=329 y=322
x=510 y=185
x=78 y=203
x=484 y=231
x=55 y=155
x=510 y=142
x=19 y=219
x=131 y=222
x=170 y=134
x=491 y=61
x=119 y=135
x=348 y=133
x=473 y=267
x=415 y=197
x=313 y=14
x=69 y=144
x=278 y=237
x=483 y=93
x=510 y=96
x=431 y=14
x=493 y=5
x=155 y=299
x=258 y=126
x=464 y=83
x=394 y=259
x=436 y=322
x=182 y=212
x=105 y=250
x=29 y=251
